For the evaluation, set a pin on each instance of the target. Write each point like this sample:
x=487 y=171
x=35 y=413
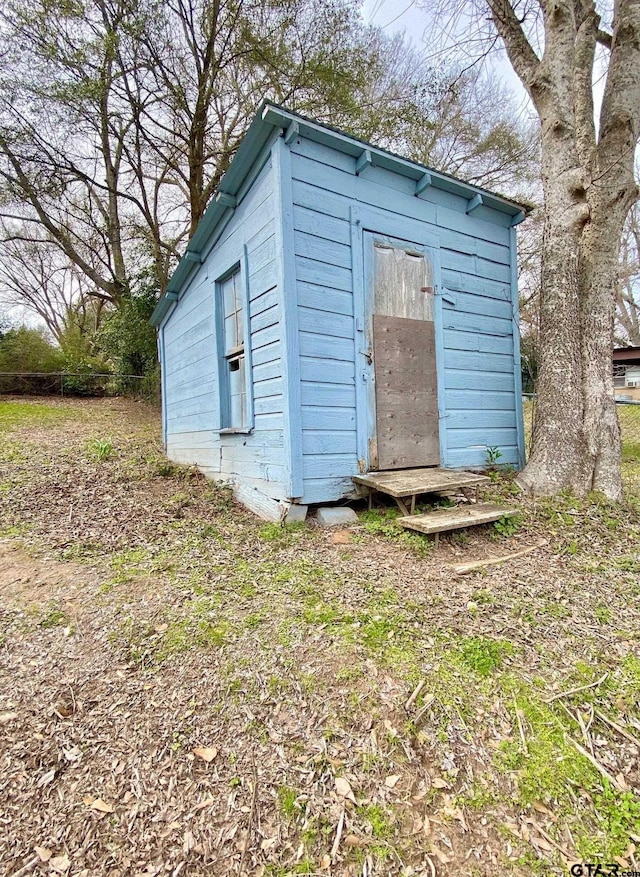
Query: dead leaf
x=442 y=858
x=392 y=781
x=541 y=808
x=343 y=788
x=208 y=801
x=42 y=853
x=325 y=862
x=622 y=782
x=456 y=813
x=352 y=840
x=206 y=753
x=7 y=717
x=101 y=806
x=341 y=537
x=60 y=864
x=47 y=778
x=64 y=709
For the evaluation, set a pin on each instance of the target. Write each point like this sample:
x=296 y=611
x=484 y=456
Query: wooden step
x=413 y=482
x=442 y=520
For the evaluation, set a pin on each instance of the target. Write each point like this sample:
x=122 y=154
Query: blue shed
x=339 y=310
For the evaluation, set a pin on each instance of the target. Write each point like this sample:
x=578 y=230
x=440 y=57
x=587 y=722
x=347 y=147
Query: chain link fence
x=629 y=418
x=78 y=384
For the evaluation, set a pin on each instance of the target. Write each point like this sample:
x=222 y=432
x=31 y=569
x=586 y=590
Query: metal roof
x=626 y=354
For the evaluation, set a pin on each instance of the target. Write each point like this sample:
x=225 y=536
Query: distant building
x=626 y=373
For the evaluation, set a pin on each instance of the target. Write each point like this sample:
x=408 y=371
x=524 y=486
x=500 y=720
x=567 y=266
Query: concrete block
x=336 y=516
x=296 y=514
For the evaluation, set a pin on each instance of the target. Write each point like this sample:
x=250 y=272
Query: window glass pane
x=230 y=333
x=233 y=370
x=237 y=394
x=239 y=326
x=229 y=296
x=238 y=291
x=233 y=312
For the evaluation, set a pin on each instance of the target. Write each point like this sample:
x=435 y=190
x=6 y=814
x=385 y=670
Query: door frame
x=369 y=225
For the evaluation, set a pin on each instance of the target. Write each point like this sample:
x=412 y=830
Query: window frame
x=226 y=357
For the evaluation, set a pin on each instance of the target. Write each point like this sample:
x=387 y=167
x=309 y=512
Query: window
x=619 y=372
x=233 y=377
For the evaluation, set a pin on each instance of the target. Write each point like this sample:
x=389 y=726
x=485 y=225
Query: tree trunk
x=576 y=439
x=587 y=176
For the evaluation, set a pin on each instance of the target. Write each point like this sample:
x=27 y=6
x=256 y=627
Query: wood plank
x=406 y=386
x=441 y=520
x=411 y=482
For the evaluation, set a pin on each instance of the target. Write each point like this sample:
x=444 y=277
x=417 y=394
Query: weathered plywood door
x=404 y=360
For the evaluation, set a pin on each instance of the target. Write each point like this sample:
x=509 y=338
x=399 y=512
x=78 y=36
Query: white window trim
x=240 y=267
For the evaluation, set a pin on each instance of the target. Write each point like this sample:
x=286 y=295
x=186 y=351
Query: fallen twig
x=31 y=864
x=520 y=727
x=336 y=842
x=601 y=770
x=549 y=839
x=416 y=692
x=470 y=565
x=619 y=728
x=252 y=809
x=578 y=689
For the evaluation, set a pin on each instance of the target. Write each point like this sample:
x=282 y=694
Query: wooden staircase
x=405 y=485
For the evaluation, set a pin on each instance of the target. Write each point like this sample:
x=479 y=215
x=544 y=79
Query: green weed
x=380 y=822
x=617 y=815
x=288 y=802
x=508 y=526
x=382 y=523
x=493 y=454
x=100 y=450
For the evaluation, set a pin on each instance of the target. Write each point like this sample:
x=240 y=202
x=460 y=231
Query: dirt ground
x=185 y=690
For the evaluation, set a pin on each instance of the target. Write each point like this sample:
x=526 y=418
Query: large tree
x=118 y=118
x=559 y=48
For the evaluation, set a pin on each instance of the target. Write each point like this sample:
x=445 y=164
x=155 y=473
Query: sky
x=430 y=31
x=433 y=34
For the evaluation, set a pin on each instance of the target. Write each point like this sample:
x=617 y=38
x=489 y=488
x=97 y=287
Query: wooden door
x=404 y=359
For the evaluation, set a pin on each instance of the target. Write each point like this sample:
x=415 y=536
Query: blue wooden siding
x=190 y=368
x=480 y=405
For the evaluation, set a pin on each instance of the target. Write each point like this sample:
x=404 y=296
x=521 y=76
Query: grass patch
x=484 y=656
x=53 y=616
x=151 y=644
x=382 y=523
x=288 y=803
x=15 y=415
x=379 y=822
x=282 y=535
